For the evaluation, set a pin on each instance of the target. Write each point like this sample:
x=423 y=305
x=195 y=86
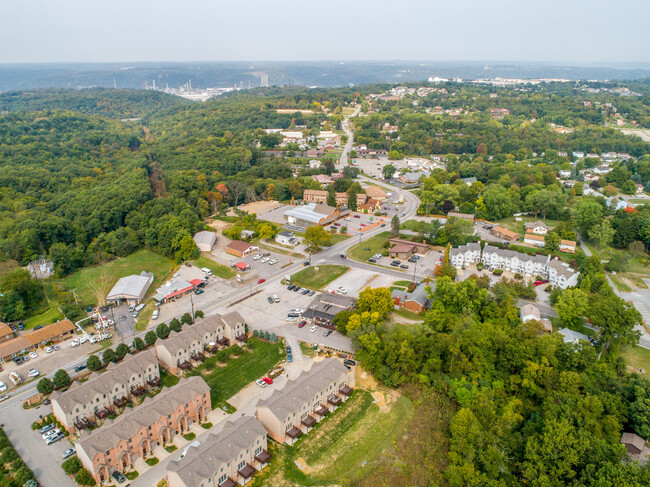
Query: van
x=275 y=298
x=156 y=312
x=206 y=271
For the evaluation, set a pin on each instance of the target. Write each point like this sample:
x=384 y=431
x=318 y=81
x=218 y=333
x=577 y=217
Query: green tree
x=121 y=350
x=186 y=249
x=266 y=232
x=150 y=338
x=162 y=331
x=388 y=171
x=175 y=325
x=45 y=386
x=377 y=300
x=186 y=319
x=19 y=293
x=315 y=238
x=138 y=344
x=353 y=191
x=61 y=379
x=571 y=306
x=93 y=363
x=458 y=231
x=109 y=355
x=198 y=314
x=394 y=226
x=394 y=155
x=587 y=213
x=601 y=233
x=552 y=241
x=497 y=202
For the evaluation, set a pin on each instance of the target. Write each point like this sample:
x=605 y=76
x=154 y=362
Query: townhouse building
x=230 y=456
x=118 y=443
x=465 y=254
x=178 y=350
x=294 y=409
x=561 y=274
x=103 y=392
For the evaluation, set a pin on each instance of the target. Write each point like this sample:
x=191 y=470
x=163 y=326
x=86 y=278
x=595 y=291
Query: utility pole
x=192 y=301
x=415 y=266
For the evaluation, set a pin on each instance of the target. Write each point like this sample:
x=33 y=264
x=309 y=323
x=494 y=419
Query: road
x=345 y=125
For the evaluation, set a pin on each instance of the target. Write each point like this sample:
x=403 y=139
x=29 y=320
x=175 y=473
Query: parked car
x=273 y=262
x=257 y=257
x=268 y=380
x=199 y=291
x=404 y=266
x=68 y=453
x=382 y=225
x=297 y=289
x=313 y=328
x=270 y=299
x=118 y=477
x=79 y=367
x=38 y=327
x=156 y=313
x=51 y=433
x=298 y=311
x=395 y=263
x=291 y=319
x=56 y=348
x=306 y=263
x=288 y=349
x=33 y=373
x=290 y=287
x=18 y=360
x=260 y=383
x=311 y=293
x=260 y=281
x=132 y=308
x=293 y=315
x=265 y=260
x=327 y=333
x=357 y=216
x=305 y=291
x=276 y=298
x=302 y=323
x=54 y=439
x=289 y=357
x=412 y=260
x=33 y=354
x=350 y=362
x=4 y=397
x=48 y=349
x=3 y=386
x=342 y=290
x=46 y=428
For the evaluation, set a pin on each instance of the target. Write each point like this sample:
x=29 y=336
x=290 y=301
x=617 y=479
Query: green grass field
x=337 y=238
x=92 y=284
x=222 y=271
x=335 y=450
x=637 y=357
x=47 y=317
x=226 y=381
x=374 y=244
x=317 y=277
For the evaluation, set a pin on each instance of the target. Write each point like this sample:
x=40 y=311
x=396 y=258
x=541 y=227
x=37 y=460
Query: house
x=316 y=196
x=247 y=234
x=371 y=205
x=324 y=307
x=172 y=289
x=505 y=234
x=635 y=447
x=314 y=214
x=560 y=274
x=6 y=333
x=134 y=434
x=564 y=173
x=535 y=240
x=639 y=189
x=413 y=177
x=376 y=193
x=205 y=241
x=322 y=179
x=83 y=401
x=538 y=228
x=568 y=246
x=570 y=336
x=294 y=409
x=530 y=312
x=418 y=248
x=180 y=349
x=462 y=216
x=415 y=301
x=286 y=238
x=314 y=164
x=499 y=113
x=240 y=249
x=230 y=455
x=131 y=289
x=469 y=181
x=465 y=254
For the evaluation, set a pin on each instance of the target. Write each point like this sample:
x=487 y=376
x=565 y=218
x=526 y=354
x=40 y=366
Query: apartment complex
x=117 y=444
x=293 y=410
x=102 y=392
x=228 y=457
x=181 y=348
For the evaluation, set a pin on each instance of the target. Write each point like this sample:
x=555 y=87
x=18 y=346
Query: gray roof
x=415 y=176
x=530 y=309
x=134 y=285
x=197 y=332
x=469 y=180
x=83 y=392
x=570 y=336
x=561 y=268
x=288 y=234
x=327 y=305
x=220 y=447
x=151 y=410
x=205 y=237
x=304 y=387
x=536 y=224
x=419 y=295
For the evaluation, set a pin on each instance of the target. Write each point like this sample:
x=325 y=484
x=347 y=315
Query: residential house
x=295 y=408
x=635 y=448
x=14 y=347
x=469 y=181
x=316 y=196
x=564 y=173
x=415 y=301
x=286 y=238
x=314 y=164
x=560 y=274
x=509 y=260
x=131 y=289
x=240 y=249
x=180 y=349
x=247 y=234
x=229 y=456
x=324 y=307
x=322 y=179
x=465 y=254
x=205 y=240
x=530 y=312
x=341 y=198
x=499 y=113
x=361 y=199
x=570 y=336
x=134 y=434
x=537 y=228
x=6 y=333
x=371 y=205
x=535 y=240
x=568 y=246
x=100 y=393
x=505 y=234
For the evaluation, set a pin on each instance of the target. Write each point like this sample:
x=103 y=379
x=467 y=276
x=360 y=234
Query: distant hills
x=322 y=74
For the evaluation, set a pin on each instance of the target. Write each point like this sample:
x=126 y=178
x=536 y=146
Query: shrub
x=266 y=335
x=497 y=272
x=23 y=474
x=198 y=314
x=83 y=477
x=273 y=338
x=71 y=466
x=479 y=266
x=222 y=355
x=256 y=333
x=8 y=454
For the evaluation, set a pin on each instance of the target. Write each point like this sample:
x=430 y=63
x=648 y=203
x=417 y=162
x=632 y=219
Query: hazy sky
x=572 y=31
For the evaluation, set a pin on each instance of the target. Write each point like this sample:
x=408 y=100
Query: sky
x=558 y=31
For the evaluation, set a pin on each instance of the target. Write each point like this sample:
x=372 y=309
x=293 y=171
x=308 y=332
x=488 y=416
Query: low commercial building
x=118 y=443
x=415 y=301
x=323 y=179
x=370 y=205
x=228 y=457
x=173 y=289
x=99 y=395
x=205 y=240
x=324 y=307
x=54 y=333
x=302 y=402
x=131 y=289
x=403 y=249
x=180 y=349
x=376 y=193
x=14 y=347
x=240 y=249
x=568 y=246
x=414 y=177
x=505 y=234
x=314 y=214
x=315 y=196
x=635 y=447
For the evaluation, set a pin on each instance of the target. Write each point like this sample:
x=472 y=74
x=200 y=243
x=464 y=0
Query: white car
x=260 y=383
x=313 y=328
x=265 y=260
x=273 y=262
x=53 y=432
x=48 y=349
x=298 y=310
x=4 y=397
x=33 y=354
x=155 y=314
x=33 y=373
x=257 y=257
x=342 y=290
x=3 y=386
x=68 y=453
x=291 y=319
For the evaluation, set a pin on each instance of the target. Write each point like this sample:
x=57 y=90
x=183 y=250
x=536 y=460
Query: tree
x=186 y=249
x=121 y=350
x=175 y=325
x=198 y=314
x=458 y=231
x=587 y=213
x=394 y=155
x=329 y=167
x=83 y=477
x=482 y=149
x=61 y=379
x=162 y=331
x=315 y=238
x=186 y=319
x=150 y=338
x=394 y=226
x=353 y=191
x=45 y=386
x=377 y=300
x=388 y=171
x=138 y=344
x=266 y=232
x=571 y=306
x=601 y=233
x=616 y=319
x=109 y=355
x=497 y=202
x=93 y=363
x=71 y=466
x=552 y=241
x=19 y=293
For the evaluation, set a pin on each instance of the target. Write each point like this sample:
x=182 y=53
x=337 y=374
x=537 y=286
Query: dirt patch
x=257 y=207
x=367 y=283
x=302 y=465
x=385 y=399
x=365 y=380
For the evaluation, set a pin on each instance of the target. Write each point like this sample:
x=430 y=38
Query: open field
x=219 y=270
x=337 y=238
x=519 y=227
x=638 y=268
x=226 y=381
x=317 y=277
x=337 y=448
x=47 y=317
x=375 y=244
x=637 y=357
x=92 y=284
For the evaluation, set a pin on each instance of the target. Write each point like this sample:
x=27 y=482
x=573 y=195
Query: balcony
x=197 y=356
x=102 y=413
x=322 y=411
x=185 y=366
x=263 y=457
x=210 y=348
x=242 y=338
x=83 y=423
x=228 y=483
x=246 y=471
x=119 y=402
x=345 y=390
x=138 y=391
x=154 y=381
x=334 y=400
x=294 y=433
x=308 y=421
x=223 y=341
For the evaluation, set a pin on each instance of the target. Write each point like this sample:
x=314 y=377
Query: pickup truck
x=15 y=378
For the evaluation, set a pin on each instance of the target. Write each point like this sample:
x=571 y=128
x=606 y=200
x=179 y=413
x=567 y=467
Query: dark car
x=350 y=362
x=288 y=349
x=297 y=289
x=293 y=315
x=18 y=360
x=412 y=260
x=270 y=300
x=404 y=266
x=382 y=225
x=13 y=327
x=395 y=263
x=79 y=367
x=311 y=293
x=118 y=477
x=38 y=327
x=306 y=264
x=306 y=291
x=371 y=260
x=188 y=264
x=290 y=287
x=21 y=325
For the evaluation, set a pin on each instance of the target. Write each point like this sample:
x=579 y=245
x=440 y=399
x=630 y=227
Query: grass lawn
x=336 y=448
x=226 y=381
x=317 y=277
x=637 y=357
x=171 y=448
x=92 y=284
x=620 y=285
x=132 y=475
x=167 y=379
x=222 y=271
x=47 y=317
x=375 y=244
x=279 y=250
x=409 y=315
x=640 y=201
x=154 y=460
x=413 y=225
x=337 y=238
x=519 y=227
x=402 y=283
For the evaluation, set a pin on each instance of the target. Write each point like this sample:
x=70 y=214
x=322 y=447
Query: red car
x=363 y=225
x=261 y=281
x=538 y=283
x=357 y=216
x=302 y=323
x=268 y=380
